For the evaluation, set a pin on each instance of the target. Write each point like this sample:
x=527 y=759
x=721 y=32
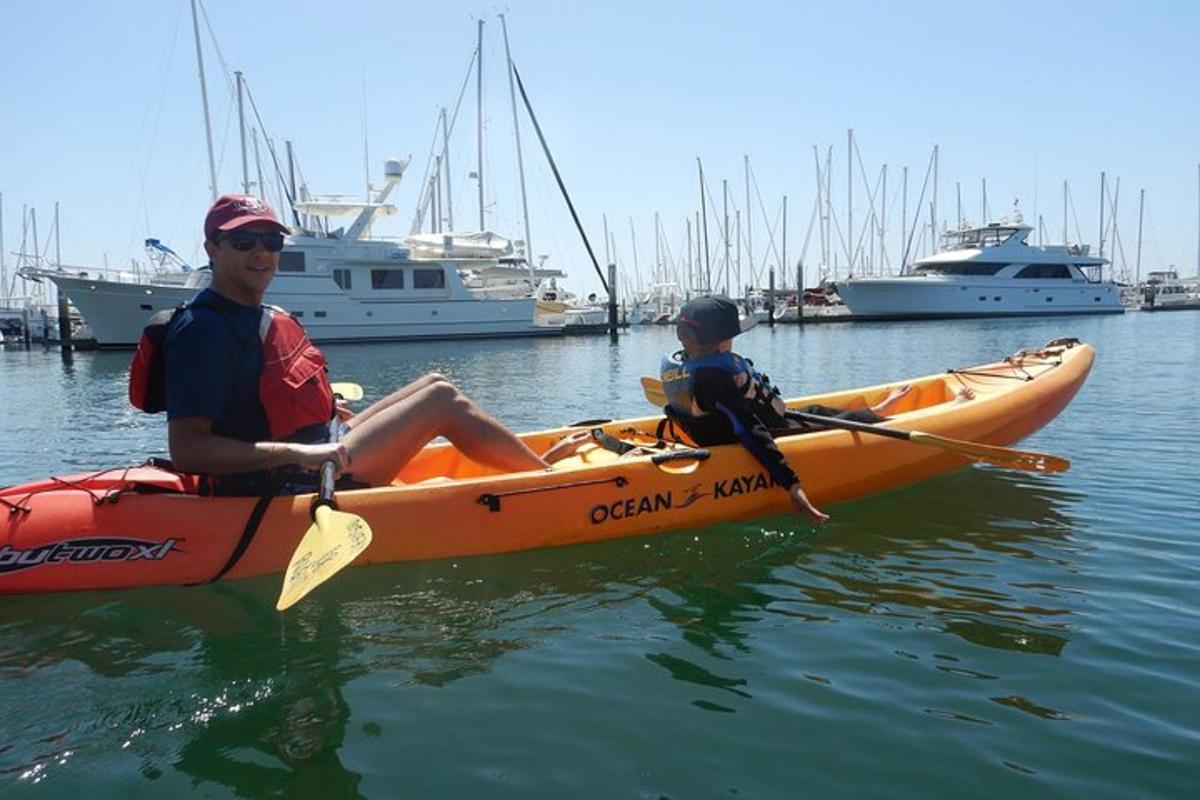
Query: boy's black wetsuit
x=721 y=399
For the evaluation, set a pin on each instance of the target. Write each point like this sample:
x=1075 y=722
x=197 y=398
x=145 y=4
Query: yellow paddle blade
x=652 y=387
x=350 y=392
x=1000 y=456
x=333 y=540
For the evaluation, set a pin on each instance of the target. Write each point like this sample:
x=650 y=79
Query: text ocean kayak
x=141 y=526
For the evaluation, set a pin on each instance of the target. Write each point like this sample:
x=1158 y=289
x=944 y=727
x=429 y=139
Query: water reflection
x=213 y=683
x=208 y=681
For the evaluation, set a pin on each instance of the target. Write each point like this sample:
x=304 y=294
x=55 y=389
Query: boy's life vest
x=677 y=375
x=293 y=387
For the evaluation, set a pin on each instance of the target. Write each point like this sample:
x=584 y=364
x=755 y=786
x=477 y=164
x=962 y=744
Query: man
x=717 y=396
x=247 y=395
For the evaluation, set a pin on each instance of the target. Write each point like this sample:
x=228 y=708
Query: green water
x=986 y=634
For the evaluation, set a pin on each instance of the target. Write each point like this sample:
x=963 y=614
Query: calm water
x=989 y=633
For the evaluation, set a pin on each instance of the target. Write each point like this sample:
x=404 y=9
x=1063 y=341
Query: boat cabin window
x=429 y=279
x=291 y=261
x=342 y=278
x=387 y=279
x=979 y=237
x=961 y=268
x=1045 y=271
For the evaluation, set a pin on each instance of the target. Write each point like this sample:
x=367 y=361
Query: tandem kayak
x=141 y=526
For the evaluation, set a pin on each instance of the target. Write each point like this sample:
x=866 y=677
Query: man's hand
x=344 y=412
x=312 y=456
x=802 y=505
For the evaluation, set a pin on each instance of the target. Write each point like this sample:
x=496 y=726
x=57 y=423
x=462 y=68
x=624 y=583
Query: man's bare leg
x=381 y=443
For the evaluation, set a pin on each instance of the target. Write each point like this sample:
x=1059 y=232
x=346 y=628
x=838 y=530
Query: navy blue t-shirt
x=214 y=360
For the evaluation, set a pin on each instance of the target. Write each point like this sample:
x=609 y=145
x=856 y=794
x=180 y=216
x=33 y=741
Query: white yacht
x=344 y=286
x=1165 y=291
x=988 y=271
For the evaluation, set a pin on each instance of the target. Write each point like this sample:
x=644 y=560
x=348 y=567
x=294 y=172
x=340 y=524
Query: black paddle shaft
x=325 y=489
x=833 y=422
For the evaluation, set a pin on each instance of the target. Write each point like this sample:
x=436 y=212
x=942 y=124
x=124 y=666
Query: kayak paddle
x=992 y=454
x=350 y=392
x=333 y=540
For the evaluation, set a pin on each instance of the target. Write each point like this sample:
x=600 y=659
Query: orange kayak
x=140 y=526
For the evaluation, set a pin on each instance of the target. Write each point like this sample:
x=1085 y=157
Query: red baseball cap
x=232 y=211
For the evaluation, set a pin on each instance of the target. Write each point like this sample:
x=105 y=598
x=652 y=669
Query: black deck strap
x=670 y=422
x=252 y=523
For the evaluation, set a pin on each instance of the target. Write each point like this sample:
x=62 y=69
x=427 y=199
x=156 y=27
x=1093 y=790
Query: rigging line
x=225 y=71
x=1118 y=244
x=1075 y=217
x=274 y=157
x=557 y=177
x=871 y=215
x=766 y=223
x=425 y=197
x=916 y=217
x=812 y=219
x=161 y=81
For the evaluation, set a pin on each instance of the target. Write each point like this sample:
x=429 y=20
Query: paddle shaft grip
x=833 y=422
x=325 y=489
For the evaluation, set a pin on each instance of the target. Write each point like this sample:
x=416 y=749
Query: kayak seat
x=589 y=454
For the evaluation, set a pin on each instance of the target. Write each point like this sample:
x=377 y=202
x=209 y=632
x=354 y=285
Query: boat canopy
x=478 y=244
x=341 y=208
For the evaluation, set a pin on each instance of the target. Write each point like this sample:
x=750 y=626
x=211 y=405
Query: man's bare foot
x=894 y=397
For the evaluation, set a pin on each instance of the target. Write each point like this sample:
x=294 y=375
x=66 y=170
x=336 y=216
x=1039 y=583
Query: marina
x=474 y=482
x=987 y=612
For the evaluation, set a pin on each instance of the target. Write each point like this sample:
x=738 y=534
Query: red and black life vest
x=293 y=387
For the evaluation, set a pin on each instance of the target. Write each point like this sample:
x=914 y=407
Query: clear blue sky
x=101 y=111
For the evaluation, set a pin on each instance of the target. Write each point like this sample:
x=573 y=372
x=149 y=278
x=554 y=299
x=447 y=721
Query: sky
x=100 y=111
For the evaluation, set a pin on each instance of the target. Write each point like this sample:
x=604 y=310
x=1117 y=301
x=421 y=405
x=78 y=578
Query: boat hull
x=116 y=311
x=936 y=298
x=141 y=527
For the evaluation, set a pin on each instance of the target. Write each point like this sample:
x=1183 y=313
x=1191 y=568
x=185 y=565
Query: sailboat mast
x=262 y=187
x=242 y=134
x=3 y=269
x=659 y=272
x=479 y=120
x=903 y=220
x=725 y=231
x=882 y=222
x=850 y=199
x=704 y=216
x=933 y=205
x=687 y=289
x=448 y=173
x=512 y=91
x=1102 y=195
x=1141 y=210
x=783 y=268
x=212 y=164
x=1064 y=213
x=749 y=218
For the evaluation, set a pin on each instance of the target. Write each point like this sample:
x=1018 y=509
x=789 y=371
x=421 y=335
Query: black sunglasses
x=244 y=241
